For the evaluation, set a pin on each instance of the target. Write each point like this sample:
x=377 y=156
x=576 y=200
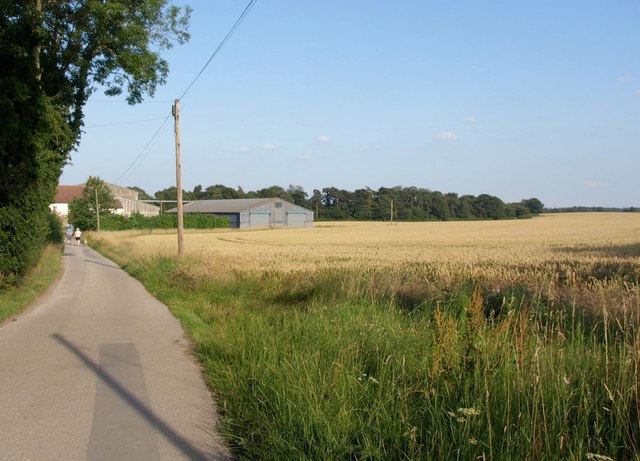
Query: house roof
x=65 y=194
x=238 y=205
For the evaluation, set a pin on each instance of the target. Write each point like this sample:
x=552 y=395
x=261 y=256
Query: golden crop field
x=577 y=237
x=572 y=248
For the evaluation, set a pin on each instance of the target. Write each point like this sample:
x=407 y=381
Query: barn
x=253 y=212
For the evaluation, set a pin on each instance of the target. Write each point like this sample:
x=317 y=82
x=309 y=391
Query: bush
x=56 y=233
x=165 y=221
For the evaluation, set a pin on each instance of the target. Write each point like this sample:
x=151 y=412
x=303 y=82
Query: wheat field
x=594 y=248
x=557 y=237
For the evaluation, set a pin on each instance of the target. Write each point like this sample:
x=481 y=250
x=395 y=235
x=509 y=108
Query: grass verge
x=13 y=300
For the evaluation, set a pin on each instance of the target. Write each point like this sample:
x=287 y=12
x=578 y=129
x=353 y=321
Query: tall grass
x=493 y=361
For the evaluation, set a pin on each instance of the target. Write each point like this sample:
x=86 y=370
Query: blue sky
x=514 y=99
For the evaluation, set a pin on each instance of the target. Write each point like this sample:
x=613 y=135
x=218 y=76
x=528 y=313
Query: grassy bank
x=491 y=360
x=15 y=299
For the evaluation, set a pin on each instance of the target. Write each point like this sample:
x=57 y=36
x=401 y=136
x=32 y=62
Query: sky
x=514 y=99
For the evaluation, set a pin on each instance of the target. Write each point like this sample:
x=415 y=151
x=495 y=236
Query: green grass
x=14 y=299
x=305 y=370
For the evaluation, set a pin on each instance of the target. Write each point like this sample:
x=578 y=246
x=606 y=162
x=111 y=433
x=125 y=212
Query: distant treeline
x=406 y=203
x=583 y=209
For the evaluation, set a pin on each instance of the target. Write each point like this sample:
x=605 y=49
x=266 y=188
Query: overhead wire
x=222 y=43
x=131 y=168
x=131 y=122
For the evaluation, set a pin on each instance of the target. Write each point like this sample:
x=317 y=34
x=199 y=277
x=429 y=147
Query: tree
x=218 y=192
x=534 y=205
x=274 y=191
x=363 y=204
x=142 y=194
x=298 y=196
x=96 y=196
x=53 y=54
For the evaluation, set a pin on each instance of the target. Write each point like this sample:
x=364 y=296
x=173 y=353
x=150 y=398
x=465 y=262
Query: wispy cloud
x=268 y=146
x=470 y=119
x=243 y=149
x=638 y=93
x=447 y=136
x=324 y=139
x=626 y=78
x=594 y=184
x=304 y=157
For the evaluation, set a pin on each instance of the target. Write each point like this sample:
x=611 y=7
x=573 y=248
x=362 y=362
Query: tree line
x=401 y=203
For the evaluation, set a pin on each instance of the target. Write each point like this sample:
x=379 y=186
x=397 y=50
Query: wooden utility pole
x=176 y=116
x=95 y=189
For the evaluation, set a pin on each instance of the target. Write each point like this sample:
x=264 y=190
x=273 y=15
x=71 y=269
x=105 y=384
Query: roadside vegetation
x=17 y=297
x=467 y=340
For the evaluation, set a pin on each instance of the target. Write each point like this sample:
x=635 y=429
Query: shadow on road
x=167 y=431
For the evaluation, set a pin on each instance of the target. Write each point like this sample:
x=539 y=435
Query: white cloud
x=325 y=139
x=447 y=136
x=470 y=119
x=626 y=78
x=243 y=149
x=638 y=93
x=268 y=146
x=304 y=157
x=594 y=184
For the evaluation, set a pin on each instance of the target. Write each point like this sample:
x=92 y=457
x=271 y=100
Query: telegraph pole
x=176 y=116
x=95 y=189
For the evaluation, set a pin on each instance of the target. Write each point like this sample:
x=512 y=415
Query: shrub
x=56 y=234
x=166 y=221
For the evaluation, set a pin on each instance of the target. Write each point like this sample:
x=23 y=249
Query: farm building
x=126 y=201
x=253 y=212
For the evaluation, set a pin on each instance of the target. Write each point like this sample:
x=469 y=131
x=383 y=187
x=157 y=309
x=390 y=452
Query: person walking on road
x=69 y=233
x=78 y=234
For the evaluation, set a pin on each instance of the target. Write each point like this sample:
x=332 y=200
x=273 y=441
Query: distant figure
x=78 y=234
x=69 y=233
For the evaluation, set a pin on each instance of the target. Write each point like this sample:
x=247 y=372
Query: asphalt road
x=98 y=369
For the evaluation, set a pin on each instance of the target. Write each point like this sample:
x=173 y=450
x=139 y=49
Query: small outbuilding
x=253 y=212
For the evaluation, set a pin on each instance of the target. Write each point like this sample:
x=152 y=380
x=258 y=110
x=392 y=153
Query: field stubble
x=500 y=339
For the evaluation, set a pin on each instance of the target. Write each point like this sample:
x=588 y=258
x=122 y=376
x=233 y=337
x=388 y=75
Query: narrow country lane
x=98 y=369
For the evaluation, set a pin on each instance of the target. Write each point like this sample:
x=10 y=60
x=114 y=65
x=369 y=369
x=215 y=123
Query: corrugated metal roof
x=238 y=205
x=225 y=206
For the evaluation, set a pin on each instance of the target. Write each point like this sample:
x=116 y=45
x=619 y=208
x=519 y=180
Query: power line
x=222 y=43
x=125 y=101
x=125 y=123
x=144 y=150
x=213 y=55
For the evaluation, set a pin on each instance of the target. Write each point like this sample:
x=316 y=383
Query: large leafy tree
x=53 y=55
x=96 y=201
